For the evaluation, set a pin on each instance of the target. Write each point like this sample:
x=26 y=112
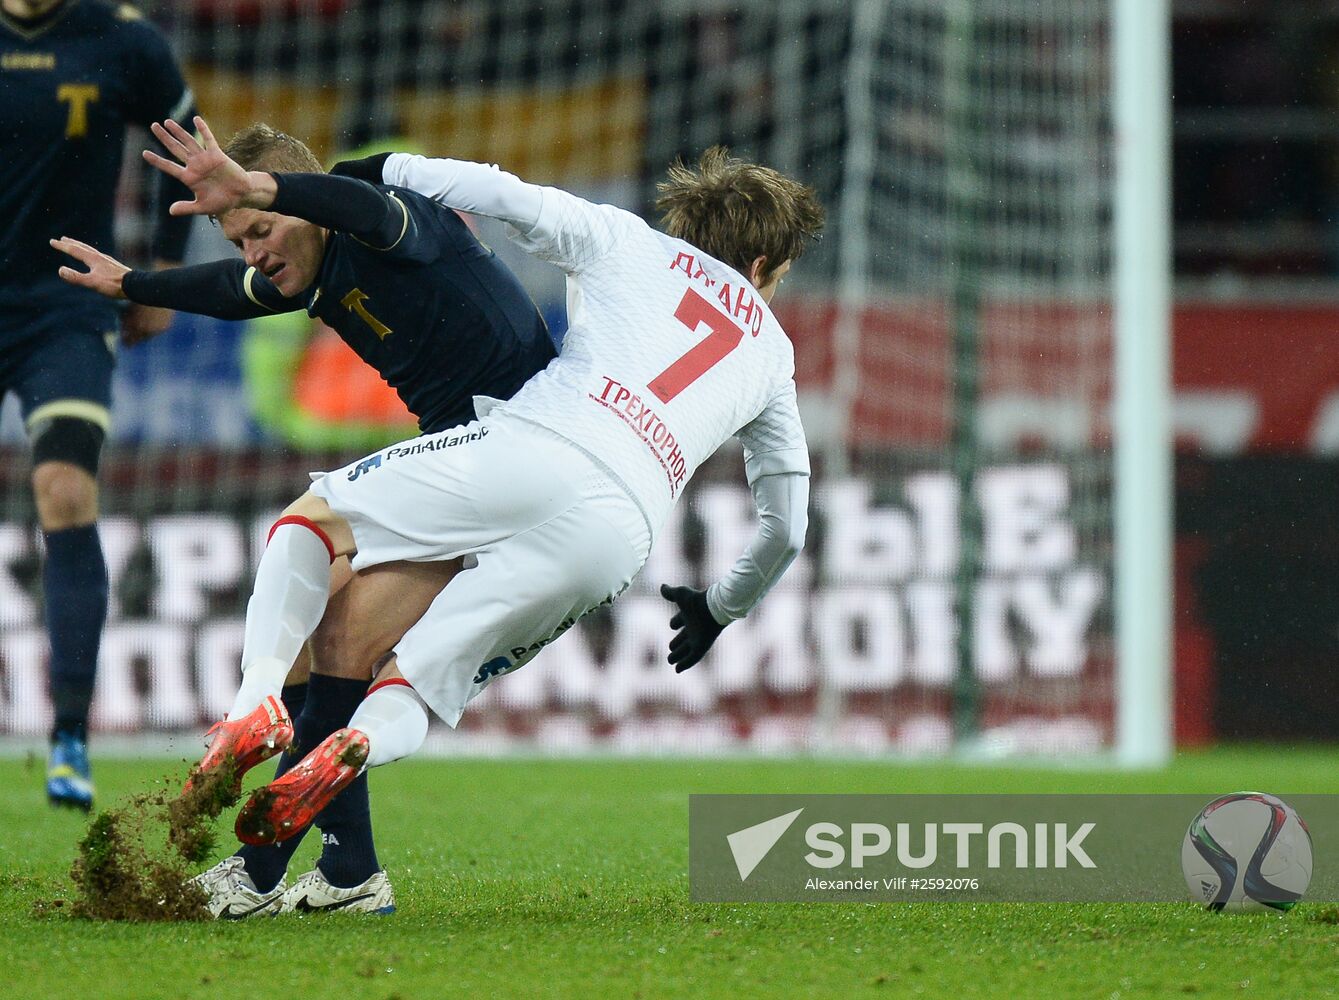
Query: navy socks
x=74 y=589
x=267 y=863
x=348 y=856
x=295 y=699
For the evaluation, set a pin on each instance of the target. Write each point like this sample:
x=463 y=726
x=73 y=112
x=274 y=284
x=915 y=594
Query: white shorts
x=547 y=537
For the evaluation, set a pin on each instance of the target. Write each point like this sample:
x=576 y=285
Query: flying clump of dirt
x=117 y=876
x=190 y=816
x=254 y=823
x=134 y=861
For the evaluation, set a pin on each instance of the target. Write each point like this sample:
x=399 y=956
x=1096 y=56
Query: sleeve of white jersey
x=782 y=503
x=776 y=461
x=549 y=223
x=774 y=440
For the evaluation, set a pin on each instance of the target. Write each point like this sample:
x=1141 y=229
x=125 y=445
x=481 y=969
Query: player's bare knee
x=66 y=495
x=310 y=506
x=316 y=510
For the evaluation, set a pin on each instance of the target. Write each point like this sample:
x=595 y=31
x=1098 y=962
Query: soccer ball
x=1247 y=851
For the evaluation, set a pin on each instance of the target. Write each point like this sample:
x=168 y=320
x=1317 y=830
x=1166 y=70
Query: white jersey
x=668 y=353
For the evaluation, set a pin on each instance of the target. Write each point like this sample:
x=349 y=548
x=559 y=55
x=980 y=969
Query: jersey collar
x=29 y=30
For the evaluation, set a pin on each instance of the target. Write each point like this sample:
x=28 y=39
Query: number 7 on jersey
x=724 y=337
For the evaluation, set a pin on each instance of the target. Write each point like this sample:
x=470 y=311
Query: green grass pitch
x=521 y=878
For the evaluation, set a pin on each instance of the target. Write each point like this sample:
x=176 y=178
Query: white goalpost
x=1141 y=108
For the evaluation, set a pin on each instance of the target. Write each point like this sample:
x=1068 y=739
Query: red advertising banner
x=1248 y=377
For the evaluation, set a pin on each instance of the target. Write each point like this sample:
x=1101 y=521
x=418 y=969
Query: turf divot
x=134 y=863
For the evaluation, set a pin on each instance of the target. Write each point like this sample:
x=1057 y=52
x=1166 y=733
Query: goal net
x=953 y=348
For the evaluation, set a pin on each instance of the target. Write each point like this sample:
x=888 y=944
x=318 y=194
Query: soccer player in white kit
x=554 y=497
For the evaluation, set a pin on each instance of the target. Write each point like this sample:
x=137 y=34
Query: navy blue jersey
x=410 y=289
x=69 y=84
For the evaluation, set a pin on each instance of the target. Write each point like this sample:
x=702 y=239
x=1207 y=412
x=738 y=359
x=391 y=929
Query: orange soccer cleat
x=290 y=802
x=257 y=736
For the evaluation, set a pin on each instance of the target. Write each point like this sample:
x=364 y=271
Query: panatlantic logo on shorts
x=647 y=424
x=429 y=442
x=495 y=667
x=366 y=465
x=520 y=655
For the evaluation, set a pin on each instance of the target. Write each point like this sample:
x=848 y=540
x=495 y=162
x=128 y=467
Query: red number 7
x=724 y=337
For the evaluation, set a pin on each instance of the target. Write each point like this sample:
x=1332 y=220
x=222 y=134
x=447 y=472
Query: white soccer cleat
x=312 y=893
x=231 y=895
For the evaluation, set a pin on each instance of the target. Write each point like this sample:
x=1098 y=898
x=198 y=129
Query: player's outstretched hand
x=217 y=181
x=696 y=628
x=104 y=272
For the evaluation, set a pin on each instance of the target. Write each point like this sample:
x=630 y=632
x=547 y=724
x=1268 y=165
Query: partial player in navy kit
x=405 y=283
x=400 y=278
x=73 y=75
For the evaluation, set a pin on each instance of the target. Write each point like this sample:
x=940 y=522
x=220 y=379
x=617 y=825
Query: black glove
x=367 y=169
x=697 y=629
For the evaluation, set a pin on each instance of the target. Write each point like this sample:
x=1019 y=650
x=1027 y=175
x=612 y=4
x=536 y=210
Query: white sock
x=292 y=588
x=395 y=720
x=262 y=678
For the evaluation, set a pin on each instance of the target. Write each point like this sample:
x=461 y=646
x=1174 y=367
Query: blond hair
x=263 y=147
x=739 y=211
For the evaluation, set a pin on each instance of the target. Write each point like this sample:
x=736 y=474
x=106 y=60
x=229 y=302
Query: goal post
x=1141 y=110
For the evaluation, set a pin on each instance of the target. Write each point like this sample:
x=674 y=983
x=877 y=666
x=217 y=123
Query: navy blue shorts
x=63 y=368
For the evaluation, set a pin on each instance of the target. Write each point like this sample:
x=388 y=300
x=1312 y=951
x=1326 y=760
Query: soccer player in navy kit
x=73 y=74
x=405 y=283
